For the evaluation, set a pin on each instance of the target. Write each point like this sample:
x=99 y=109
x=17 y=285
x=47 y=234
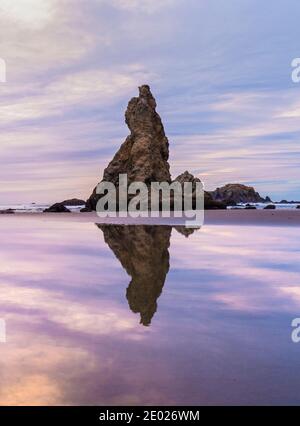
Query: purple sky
x=221 y=73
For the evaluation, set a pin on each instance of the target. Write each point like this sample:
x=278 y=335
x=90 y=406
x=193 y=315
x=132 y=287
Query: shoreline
x=211 y=217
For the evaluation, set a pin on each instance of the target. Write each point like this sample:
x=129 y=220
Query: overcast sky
x=220 y=71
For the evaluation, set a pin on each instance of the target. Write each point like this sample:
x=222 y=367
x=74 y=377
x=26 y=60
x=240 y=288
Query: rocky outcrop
x=234 y=193
x=270 y=207
x=57 y=208
x=187 y=177
x=7 y=211
x=143 y=252
x=86 y=210
x=144 y=154
x=209 y=202
x=73 y=202
x=61 y=207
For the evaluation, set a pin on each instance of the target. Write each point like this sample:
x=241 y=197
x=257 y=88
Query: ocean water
x=35 y=208
x=39 y=208
x=260 y=206
x=147 y=314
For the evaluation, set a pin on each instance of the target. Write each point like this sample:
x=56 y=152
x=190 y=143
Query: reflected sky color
x=221 y=333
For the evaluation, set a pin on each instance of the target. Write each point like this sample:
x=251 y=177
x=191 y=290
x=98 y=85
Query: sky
x=220 y=72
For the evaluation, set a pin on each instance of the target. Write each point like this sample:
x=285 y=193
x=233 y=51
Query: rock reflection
x=143 y=251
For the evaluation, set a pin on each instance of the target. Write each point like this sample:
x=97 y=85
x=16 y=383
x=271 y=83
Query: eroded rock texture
x=234 y=193
x=57 y=208
x=209 y=202
x=144 y=154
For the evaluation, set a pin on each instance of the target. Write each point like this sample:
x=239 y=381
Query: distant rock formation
x=288 y=202
x=73 y=202
x=187 y=177
x=57 y=208
x=143 y=252
x=61 y=207
x=7 y=211
x=270 y=207
x=234 y=193
x=209 y=202
x=144 y=154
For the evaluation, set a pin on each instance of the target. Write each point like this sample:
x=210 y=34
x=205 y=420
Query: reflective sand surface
x=148 y=315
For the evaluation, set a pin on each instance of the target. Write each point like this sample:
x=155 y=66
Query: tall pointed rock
x=144 y=154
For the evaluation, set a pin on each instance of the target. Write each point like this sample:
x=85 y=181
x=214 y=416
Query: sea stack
x=144 y=154
x=234 y=193
x=209 y=202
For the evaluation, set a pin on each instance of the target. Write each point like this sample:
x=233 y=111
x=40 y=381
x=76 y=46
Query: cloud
x=33 y=14
x=227 y=101
x=84 y=89
x=137 y=6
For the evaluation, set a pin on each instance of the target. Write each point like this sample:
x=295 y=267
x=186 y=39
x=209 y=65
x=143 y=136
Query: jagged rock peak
x=144 y=154
x=141 y=116
x=187 y=177
x=209 y=203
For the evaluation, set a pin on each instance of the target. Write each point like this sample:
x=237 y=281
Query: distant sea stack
x=7 y=211
x=62 y=207
x=73 y=202
x=57 y=208
x=144 y=154
x=209 y=202
x=234 y=193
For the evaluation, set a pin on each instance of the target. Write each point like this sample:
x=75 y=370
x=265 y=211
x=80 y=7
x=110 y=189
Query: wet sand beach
x=211 y=217
x=149 y=315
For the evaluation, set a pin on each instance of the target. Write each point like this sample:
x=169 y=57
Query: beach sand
x=211 y=217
